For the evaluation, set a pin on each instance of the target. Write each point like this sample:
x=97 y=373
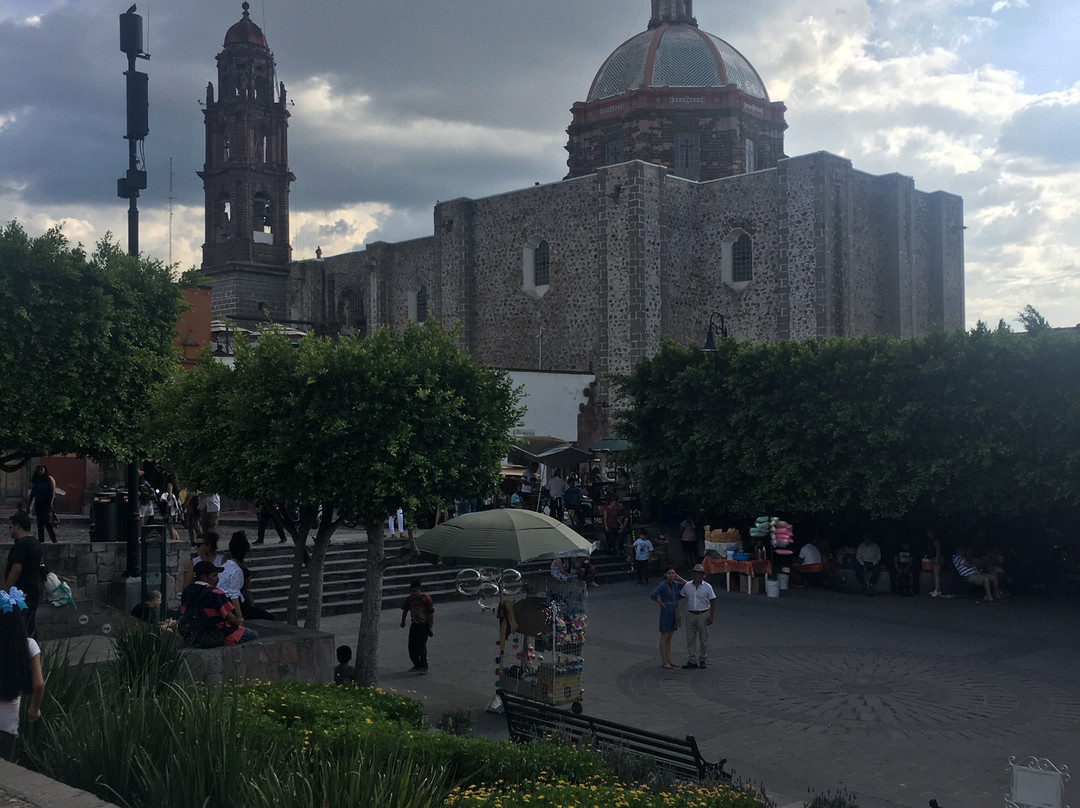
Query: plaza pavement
x=898 y=700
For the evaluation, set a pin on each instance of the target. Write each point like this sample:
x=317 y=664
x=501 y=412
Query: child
x=344 y=673
x=20 y=670
x=643 y=550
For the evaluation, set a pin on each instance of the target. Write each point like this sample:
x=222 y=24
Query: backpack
x=196 y=627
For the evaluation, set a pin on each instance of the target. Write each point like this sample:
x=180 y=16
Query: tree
x=83 y=341
x=352 y=426
x=981 y=422
x=1032 y=321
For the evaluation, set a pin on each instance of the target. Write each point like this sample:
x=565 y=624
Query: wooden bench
x=530 y=720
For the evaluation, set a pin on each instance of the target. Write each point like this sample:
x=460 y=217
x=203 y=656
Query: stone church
x=679 y=207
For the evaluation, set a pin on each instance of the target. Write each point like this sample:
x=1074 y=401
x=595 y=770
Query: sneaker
x=415 y=668
x=935 y=594
x=423 y=669
x=690 y=665
x=701 y=664
x=594 y=583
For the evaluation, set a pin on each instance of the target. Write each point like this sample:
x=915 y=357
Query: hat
x=205 y=568
x=697 y=568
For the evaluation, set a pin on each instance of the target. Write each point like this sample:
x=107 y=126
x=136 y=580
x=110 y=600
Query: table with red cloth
x=728 y=566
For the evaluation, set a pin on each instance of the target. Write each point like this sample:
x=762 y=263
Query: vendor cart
x=541 y=644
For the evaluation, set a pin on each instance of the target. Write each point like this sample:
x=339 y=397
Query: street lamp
x=710 y=338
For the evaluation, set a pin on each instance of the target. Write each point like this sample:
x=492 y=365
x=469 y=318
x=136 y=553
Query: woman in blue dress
x=667 y=595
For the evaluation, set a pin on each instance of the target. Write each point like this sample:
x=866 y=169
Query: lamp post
x=710 y=337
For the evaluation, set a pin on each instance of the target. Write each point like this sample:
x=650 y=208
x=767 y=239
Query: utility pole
x=128 y=187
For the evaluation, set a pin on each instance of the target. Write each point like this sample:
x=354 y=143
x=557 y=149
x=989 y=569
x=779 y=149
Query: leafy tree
x=83 y=340
x=1032 y=321
x=353 y=426
x=983 y=421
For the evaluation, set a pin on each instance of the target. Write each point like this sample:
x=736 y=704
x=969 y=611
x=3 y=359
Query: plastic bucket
x=783 y=579
x=772 y=588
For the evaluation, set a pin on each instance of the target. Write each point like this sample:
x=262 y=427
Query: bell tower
x=246 y=180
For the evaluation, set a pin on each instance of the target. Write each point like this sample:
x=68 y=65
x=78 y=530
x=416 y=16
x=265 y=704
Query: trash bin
x=106 y=516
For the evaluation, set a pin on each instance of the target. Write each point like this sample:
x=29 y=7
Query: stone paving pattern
x=899 y=700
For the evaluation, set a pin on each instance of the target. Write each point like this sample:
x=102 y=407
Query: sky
x=396 y=105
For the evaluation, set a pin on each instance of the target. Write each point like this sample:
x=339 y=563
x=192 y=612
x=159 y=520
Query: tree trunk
x=316 y=567
x=292 y=609
x=367 y=644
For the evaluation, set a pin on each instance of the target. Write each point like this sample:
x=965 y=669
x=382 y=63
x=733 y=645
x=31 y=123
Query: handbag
x=678 y=620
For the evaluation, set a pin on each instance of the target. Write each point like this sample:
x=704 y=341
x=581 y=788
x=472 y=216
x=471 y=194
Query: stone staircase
x=343 y=580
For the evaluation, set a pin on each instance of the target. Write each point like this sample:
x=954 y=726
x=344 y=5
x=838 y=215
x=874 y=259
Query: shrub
x=839 y=799
x=458 y=721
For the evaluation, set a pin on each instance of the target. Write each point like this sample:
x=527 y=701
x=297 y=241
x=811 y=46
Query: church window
x=223 y=224
x=418 y=305
x=687 y=155
x=742 y=260
x=542 y=264
x=536 y=266
x=262 y=219
x=613 y=152
x=751 y=156
x=737 y=259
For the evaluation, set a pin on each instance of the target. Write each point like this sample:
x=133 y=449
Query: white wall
x=552 y=401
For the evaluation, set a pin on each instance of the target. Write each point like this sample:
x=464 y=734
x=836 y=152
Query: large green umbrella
x=500 y=538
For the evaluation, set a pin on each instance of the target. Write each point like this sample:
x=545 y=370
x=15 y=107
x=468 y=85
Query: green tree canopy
x=955 y=422
x=83 y=340
x=352 y=426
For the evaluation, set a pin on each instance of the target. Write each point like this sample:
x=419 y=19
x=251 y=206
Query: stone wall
x=95 y=570
x=638 y=255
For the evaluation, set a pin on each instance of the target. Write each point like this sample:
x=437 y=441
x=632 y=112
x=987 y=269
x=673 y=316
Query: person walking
x=24 y=568
x=20 y=671
x=420 y=607
x=700 y=607
x=667 y=595
x=42 y=496
x=170 y=509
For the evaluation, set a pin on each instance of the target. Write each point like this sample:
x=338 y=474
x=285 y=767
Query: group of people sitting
x=216 y=598
x=904 y=565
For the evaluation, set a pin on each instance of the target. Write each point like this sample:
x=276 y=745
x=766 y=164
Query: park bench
x=528 y=720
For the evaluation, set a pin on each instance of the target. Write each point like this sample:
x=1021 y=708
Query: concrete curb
x=22 y=788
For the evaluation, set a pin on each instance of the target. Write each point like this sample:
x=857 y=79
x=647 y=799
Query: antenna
x=171 y=198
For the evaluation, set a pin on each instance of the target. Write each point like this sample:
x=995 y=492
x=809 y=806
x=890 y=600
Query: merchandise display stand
x=541 y=642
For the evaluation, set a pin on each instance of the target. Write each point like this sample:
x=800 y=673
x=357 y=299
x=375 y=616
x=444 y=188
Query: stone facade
x=637 y=255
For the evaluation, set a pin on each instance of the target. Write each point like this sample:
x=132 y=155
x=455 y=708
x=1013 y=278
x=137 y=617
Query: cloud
x=399 y=105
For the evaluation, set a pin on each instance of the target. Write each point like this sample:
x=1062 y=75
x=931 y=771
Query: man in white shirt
x=700 y=606
x=867 y=563
x=556 y=488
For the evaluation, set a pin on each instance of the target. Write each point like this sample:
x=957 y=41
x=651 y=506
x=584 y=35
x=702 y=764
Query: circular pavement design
x=862 y=690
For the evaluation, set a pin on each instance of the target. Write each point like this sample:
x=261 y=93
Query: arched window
x=687 y=155
x=737 y=259
x=262 y=210
x=418 y=305
x=751 y=156
x=223 y=216
x=536 y=266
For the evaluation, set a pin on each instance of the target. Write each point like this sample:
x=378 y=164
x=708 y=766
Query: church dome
x=245 y=32
x=675 y=55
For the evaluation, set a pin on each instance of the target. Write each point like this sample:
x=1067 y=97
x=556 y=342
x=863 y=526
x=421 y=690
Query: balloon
x=468 y=583
x=512 y=582
x=489 y=574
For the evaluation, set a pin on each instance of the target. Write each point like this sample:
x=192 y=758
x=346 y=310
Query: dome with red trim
x=675 y=54
x=245 y=32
